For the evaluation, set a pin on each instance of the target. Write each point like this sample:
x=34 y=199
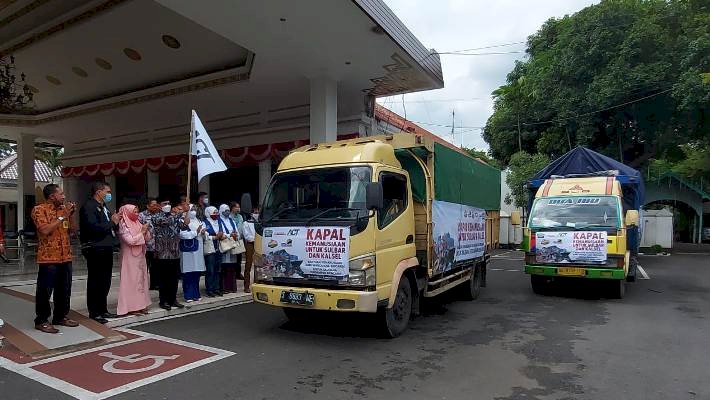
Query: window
x=394 y=188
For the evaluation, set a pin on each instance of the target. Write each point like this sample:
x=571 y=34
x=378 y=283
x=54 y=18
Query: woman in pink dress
x=133 y=295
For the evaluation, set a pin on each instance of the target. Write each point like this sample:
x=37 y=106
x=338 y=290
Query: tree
x=626 y=78
x=482 y=155
x=523 y=166
x=52 y=157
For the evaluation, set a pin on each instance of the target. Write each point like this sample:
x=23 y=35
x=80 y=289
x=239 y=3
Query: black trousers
x=168 y=276
x=53 y=278
x=149 y=260
x=99 y=263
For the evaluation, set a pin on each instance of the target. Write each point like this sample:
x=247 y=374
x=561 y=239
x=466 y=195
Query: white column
x=71 y=189
x=323 y=110
x=25 y=176
x=153 y=179
x=264 y=179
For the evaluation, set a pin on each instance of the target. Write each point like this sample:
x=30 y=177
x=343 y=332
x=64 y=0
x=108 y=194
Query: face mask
x=166 y=208
x=237 y=211
x=206 y=201
x=226 y=214
x=193 y=215
x=107 y=198
x=255 y=216
x=214 y=216
x=133 y=217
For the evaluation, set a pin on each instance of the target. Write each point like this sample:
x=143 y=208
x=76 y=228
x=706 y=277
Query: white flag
x=208 y=159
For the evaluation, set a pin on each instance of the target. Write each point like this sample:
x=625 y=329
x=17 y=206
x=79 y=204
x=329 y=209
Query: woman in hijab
x=133 y=295
x=228 y=282
x=213 y=257
x=192 y=259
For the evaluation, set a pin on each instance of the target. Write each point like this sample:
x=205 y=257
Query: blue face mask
x=107 y=198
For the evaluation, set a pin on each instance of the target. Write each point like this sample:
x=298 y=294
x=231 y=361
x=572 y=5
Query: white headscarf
x=194 y=222
x=213 y=223
x=227 y=221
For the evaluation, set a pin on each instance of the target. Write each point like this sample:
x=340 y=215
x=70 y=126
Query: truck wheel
x=617 y=288
x=395 y=319
x=539 y=284
x=472 y=289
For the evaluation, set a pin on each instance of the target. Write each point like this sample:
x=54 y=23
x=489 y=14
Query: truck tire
x=394 y=320
x=617 y=288
x=472 y=289
x=539 y=284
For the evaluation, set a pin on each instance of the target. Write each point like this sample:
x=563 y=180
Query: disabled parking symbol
x=111 y=367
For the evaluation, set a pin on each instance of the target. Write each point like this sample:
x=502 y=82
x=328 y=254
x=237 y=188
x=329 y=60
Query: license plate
x=298 y=298
x=569 y=271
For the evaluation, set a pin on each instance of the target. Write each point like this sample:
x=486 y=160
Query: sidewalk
x=78 y=300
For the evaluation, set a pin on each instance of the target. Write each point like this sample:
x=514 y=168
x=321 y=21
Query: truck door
x=395 y=225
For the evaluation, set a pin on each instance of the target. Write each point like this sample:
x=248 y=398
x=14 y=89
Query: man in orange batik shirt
x=53 y=221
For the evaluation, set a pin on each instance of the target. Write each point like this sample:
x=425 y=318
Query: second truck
x=373 y=225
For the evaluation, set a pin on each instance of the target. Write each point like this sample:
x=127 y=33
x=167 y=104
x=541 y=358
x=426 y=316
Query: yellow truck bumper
x=334 y=300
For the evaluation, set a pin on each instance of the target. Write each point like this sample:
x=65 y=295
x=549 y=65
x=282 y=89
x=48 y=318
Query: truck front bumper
x=333 y=300
x=589 y=272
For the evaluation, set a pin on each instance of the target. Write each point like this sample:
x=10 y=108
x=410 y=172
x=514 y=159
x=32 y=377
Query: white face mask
x=206 y=201
x=255 y=216
x=166 y=208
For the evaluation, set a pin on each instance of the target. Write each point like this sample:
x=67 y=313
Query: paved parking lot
x=509 y=344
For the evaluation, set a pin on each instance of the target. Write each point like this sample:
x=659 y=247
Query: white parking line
x=643 y=272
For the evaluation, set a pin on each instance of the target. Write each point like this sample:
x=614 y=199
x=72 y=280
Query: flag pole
x=189 y=157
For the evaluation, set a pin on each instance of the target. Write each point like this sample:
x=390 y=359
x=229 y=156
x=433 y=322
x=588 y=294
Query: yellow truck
x=579 y=227
x=373 y=225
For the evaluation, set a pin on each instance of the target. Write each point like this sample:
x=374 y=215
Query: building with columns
x=114 y=82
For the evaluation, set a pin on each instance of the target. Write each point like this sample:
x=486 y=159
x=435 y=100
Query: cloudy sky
x=452 y=25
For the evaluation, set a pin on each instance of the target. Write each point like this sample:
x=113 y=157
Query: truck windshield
x=575 y=212
x=309 y=196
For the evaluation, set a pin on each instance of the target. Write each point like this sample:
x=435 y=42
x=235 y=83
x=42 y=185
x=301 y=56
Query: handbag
x=189 y=245
x=239 y=248
x=227 y=244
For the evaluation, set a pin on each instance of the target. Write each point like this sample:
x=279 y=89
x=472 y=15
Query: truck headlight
x=363 y=271
x=260 y=272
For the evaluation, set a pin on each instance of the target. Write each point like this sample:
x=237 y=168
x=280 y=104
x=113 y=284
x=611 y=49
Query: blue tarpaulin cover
x=581 y=160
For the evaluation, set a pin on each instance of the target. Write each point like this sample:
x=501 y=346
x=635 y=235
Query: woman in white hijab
x=228 y=282
x=192 y=259
x=211 y=250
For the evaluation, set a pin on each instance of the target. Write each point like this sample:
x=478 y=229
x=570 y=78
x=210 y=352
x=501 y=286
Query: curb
x=157 y=314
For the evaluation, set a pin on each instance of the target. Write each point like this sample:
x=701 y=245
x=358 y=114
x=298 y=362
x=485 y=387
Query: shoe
x=100 y=320
x=46 y=328
x=178 y=305
x=240 y=277
x=210 y=294
x=165 y=306
x=109 y=315
x=68 y=323
x=220 y=294
x=199 y=299
x=189 y=301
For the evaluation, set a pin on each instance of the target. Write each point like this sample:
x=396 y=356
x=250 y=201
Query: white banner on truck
x=307 y=252
x=459 y=234
x=570 y=247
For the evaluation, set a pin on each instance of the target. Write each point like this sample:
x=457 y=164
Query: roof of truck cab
x=602 y=185
x=357 y=151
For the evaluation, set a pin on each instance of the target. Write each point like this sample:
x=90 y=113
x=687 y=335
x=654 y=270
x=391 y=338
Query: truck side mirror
x=374 y=196
x=632 y=218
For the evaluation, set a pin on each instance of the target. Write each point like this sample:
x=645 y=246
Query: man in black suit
x=98 y=230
